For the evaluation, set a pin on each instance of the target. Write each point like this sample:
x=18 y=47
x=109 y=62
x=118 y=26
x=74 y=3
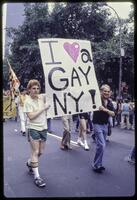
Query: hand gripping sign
x=70 y=79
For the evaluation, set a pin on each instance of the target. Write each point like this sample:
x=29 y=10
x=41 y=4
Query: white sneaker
x=86 y=147
x=79 y=141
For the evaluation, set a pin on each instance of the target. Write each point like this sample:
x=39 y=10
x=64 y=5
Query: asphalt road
x=67 y=173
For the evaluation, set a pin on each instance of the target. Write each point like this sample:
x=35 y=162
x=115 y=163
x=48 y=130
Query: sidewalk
x=68 y=173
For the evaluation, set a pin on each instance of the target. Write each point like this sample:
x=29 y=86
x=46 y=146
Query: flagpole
x=9 y=64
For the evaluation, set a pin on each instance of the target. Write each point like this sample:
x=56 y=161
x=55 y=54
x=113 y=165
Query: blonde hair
x=105 y=86
x=33 y=82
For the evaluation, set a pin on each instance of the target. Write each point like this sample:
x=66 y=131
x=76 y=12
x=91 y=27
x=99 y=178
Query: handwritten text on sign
x=70 y=79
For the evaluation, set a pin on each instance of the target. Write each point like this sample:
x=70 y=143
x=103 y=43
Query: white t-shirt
x=33 y=105
x=114 y=104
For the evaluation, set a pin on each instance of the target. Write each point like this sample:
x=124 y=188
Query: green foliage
x=86 y=20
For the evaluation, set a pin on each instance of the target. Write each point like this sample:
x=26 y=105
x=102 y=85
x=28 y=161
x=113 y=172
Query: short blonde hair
x=105 y=86
x=33 y=82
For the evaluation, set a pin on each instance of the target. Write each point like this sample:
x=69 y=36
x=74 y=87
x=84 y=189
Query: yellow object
x=9 y=107
x=22 y=99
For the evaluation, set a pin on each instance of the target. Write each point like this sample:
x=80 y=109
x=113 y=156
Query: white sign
x=70 y=79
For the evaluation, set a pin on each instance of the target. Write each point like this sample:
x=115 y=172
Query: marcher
x=35 y=107
x=125 y=108
x=67 y=122
x=82 y=138
x=22 y=115
x=100 y=126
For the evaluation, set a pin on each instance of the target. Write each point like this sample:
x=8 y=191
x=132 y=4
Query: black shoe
x=97 y=170
x=102 y=168
x=39 y=182
x=68 y=147
x=24 y=133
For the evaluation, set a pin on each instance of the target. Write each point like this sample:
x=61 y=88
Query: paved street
x=67 y=173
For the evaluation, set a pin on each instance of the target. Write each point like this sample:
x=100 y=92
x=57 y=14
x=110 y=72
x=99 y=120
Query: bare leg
x=42 y=145
x=35 y=145
x=83 y=129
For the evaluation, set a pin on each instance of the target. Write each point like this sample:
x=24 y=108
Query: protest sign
x=70 y=79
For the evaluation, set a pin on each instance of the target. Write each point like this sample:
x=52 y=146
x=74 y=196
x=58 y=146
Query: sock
x=85 y=142
x=29 y=162
x=36 y=172
x=34 y=166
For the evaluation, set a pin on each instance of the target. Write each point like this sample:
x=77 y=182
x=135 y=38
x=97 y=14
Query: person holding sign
x=35 y=107
x=100 y=125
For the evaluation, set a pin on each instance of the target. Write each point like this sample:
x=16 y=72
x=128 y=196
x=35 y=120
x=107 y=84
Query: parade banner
x=70 y=80
x=9 y=107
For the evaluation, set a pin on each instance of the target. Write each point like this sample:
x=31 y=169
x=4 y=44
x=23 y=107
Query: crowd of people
x=32 y=110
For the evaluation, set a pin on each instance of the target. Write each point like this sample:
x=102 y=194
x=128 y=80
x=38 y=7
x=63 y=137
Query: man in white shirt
x=35 y=107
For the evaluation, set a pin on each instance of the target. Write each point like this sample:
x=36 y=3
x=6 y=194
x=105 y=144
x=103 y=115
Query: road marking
x=60 y=138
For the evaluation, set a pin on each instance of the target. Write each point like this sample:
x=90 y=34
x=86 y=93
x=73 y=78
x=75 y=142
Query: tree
x=86 y=20
x=25 y=51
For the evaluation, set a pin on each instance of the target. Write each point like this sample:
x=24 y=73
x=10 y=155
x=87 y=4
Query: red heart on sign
x=72 y=50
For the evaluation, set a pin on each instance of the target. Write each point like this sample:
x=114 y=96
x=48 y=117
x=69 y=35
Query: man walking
x=100 y=125
x=35 y=107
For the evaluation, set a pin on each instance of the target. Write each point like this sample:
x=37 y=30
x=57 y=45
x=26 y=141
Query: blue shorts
x=37 y=135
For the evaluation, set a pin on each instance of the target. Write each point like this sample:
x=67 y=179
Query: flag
x=14 y=81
